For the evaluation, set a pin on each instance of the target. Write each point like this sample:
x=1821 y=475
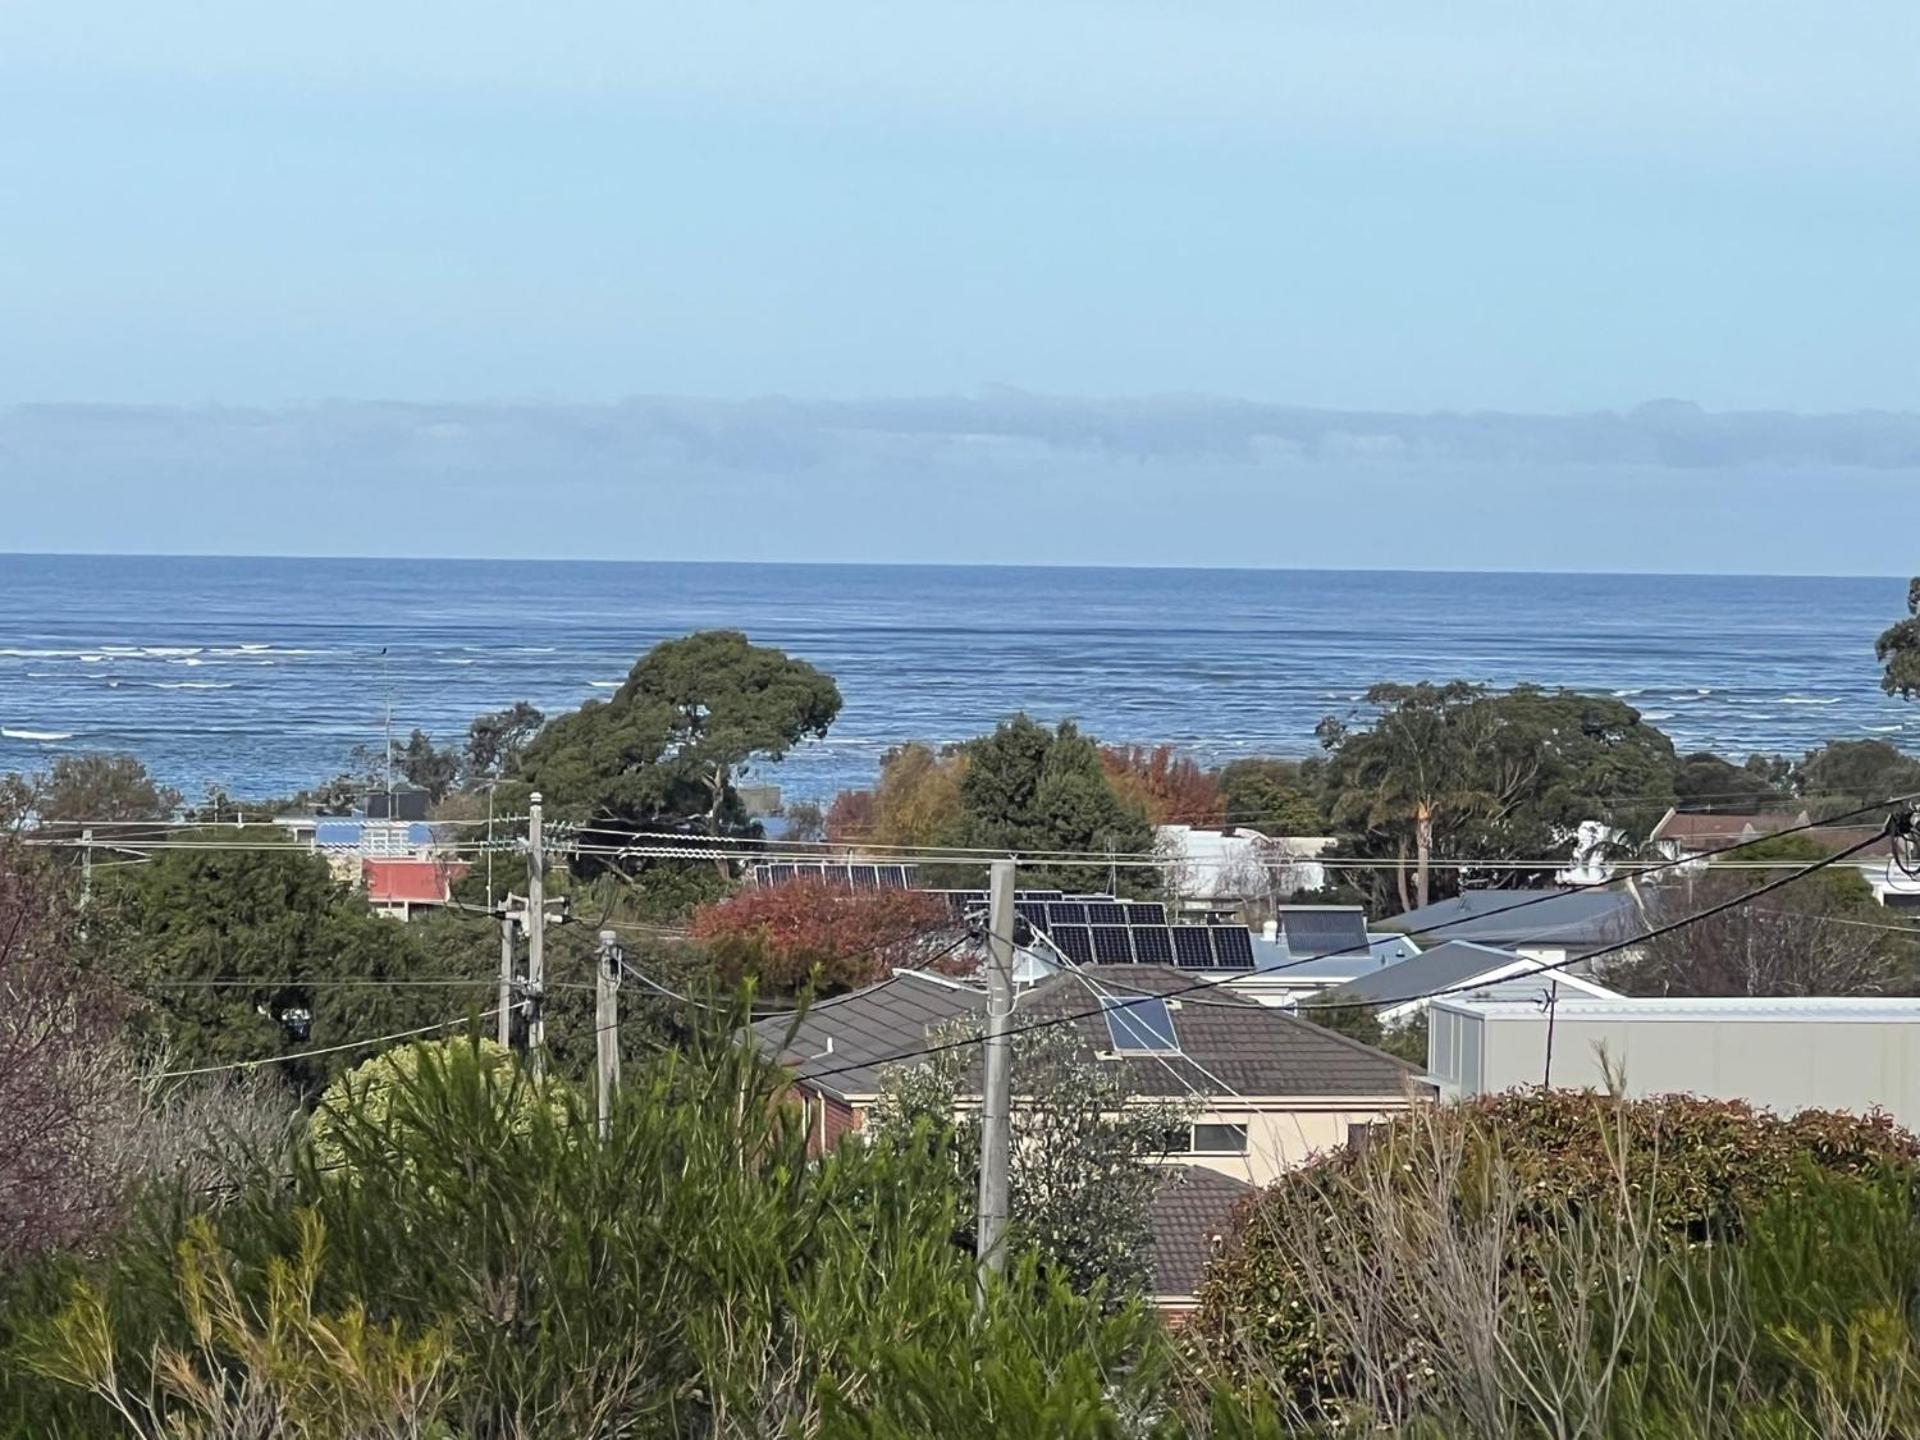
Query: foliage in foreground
x=1477 y=1260
x=463 y=1263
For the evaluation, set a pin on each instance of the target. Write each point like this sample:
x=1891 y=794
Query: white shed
x=1779 y=1053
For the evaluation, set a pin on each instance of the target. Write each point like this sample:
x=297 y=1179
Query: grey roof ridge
x=1352 y=1044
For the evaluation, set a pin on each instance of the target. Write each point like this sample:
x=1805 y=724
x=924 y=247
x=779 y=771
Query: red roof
x=409 y=882
x=1708 y=829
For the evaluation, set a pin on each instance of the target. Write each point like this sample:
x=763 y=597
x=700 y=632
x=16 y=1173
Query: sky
x=252 y=229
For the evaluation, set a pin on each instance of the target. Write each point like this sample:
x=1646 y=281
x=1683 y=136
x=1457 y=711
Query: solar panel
x=1066 y=912
x=1140 y=1024
x=1146 y=912
x=1031 y=911
x=1075 y=942
x=1107 y=913
x=1110 y=945
x=1043 y=895
x=1324 y=932
x=1191 y=946
x=1233 y=948
x=1153 y=945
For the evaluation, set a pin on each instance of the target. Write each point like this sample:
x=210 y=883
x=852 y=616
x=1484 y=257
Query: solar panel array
x=1104 y=930
x=845 y=876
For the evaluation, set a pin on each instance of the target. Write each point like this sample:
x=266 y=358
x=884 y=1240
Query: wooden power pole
x=536 y=939
x=606 y=1026
x=506 y=973
x=996 y=1124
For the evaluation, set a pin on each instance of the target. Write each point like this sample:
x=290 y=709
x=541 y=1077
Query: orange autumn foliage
x=781 y=935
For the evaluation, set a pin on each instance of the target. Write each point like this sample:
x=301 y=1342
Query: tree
x=495 y=740
x=245 y=955
x=1027 y=788
x=1705 y=781
x=1898 y=649
x=1082 y=1172
x=1167 y=787
x=917 y=802
x=1844 y=775
x=811 y=931
x=1277 y=796
x=81 y=788
x=1459 y=772
x=806 y=822
x=62 y=1072
x=1823 y=935
x=849 y=819
x=427 y=766
x=693 y=717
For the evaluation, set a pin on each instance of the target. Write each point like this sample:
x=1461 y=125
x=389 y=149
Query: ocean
x=262 y=675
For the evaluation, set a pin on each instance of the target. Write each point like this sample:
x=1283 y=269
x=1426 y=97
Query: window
x=1140 y=1024
x=1218 y=1139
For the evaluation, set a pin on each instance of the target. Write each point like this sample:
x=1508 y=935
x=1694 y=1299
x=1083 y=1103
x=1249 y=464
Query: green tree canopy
x=81 y=788
x=1460 y=772
x=1276 y=796
x=1705 y=781
x=495 y=740
x=1898 y=649
x=1028 y=788
x=693 y=717
x=247 y=955
x=1843 y=775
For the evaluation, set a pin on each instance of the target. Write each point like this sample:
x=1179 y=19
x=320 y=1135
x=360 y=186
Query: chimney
x=1270 y=932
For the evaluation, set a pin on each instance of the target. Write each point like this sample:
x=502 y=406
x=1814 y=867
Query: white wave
x=1883 y=729
x=1627 y=694
x=12 y=734
x=189 y=660
x=193 y=685
x=1704 y=690
x=23 y=654
x=443 y=660
x=1809 y=699
x=92 y=659
x=606 y=684
x=1656 y=714
x=171 y=649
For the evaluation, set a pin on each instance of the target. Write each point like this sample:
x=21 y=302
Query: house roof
x=1889 y=1010
x=1225 y=1041
x=1458 y=962
x=1573 y=918
x=1272 y=959
x=1709 y=830
x=409 y=882
x=1192 y=1207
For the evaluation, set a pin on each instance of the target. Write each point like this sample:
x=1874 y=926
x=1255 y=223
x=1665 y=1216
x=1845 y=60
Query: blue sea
x=262 y=675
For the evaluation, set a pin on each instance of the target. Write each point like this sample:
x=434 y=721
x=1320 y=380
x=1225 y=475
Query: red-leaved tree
x=783 y=935
x=1170 y=787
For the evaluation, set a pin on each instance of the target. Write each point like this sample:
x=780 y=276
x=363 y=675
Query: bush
x=1666 y=1173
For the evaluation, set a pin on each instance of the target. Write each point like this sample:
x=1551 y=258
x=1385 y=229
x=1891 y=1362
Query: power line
x=1220 y=981
x=322 y=1050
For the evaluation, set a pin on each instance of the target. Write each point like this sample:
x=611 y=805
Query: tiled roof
x=1710 y=830
x=410 y=882
x=1226 y=1042
x=1191 y=1207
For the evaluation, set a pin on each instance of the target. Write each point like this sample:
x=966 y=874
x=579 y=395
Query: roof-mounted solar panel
x=1192 y=946
x=1152 y=946
x=1232 y=948
x=1111 y=945
x=1074 y=941
x=1140 y=1024
x=1146 y=912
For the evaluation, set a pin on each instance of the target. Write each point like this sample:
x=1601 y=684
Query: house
x=398 y=887
x=1778 y=1053
x=1684 y=834
x=1306 y=949
x=1398 y=993
x=1223 y=867
x=1193 y=1213
x=1271 y=1089
x=1549 y=925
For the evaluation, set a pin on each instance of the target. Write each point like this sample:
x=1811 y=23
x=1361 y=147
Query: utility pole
x=86 y=878
x=606 y=1026
x=996 y=1126
x=536 y=938
x=506 y=975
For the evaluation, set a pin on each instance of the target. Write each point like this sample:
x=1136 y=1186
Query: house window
x=1217 y=1139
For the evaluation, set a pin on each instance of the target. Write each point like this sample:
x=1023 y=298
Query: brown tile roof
x=1226 y=1042
x=1708 y=830
x=1191 y=1208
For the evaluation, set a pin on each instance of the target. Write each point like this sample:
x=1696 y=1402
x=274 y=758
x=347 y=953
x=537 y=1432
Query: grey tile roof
x=1455 y=963
x=1226 y=1041
x=1191 y=1207
x=1577 y=919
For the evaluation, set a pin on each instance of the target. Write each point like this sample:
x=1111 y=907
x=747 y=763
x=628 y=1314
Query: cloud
x=670 y=436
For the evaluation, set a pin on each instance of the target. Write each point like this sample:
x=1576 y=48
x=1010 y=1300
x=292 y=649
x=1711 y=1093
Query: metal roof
x=1575 y=918
x=1734 y=1010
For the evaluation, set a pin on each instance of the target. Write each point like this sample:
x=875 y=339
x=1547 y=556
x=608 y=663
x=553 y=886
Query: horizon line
x=829 y=564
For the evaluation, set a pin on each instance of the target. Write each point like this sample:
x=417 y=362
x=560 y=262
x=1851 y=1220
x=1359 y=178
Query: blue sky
x=1400 y=207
